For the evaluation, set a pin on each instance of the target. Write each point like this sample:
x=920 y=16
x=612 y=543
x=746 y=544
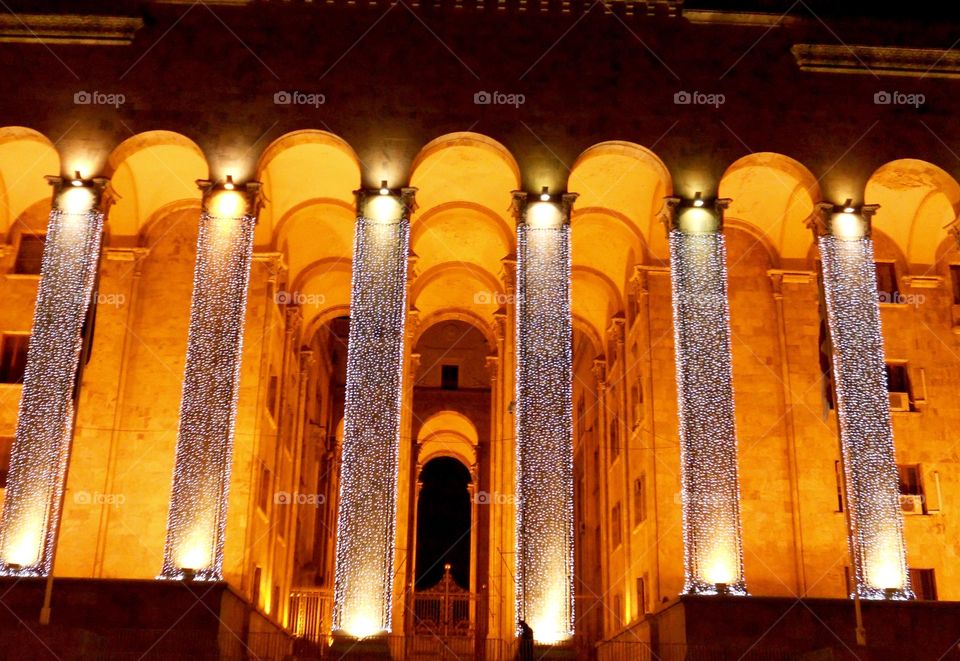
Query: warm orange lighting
x=385 y=209
x=229 y=185
x=227 y=204
x=76 y=200
x=543 y=215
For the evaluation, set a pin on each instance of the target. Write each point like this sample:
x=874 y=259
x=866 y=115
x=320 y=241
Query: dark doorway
x=443 y=523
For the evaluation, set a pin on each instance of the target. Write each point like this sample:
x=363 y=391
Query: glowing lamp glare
x=228 y=204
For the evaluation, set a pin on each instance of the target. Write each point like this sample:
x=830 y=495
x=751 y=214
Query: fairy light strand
x=544 y=429
x=38 y=462
x=713 y=554
x=872 y=487
x=366 y=525
x=198 y=505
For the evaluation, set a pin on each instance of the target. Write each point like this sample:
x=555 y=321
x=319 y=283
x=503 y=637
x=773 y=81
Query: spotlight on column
x=848 y=206
x=384 y=190
x=545 y=194
x=698 y=200
x=77 y=179
x=229 y=185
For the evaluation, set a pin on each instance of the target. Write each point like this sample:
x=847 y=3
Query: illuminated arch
x=26 y=157
x=458 y=285
x=776 y=195
x=448 y=434
x=456 y=314
x=918 y=200
x=150 y=171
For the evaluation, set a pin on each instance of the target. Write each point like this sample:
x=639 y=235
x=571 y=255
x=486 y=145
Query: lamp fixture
x=229 y=185
x=698 y=200
x=848 y=206
x=77 y=179
x=383 y=187
x=545 y=194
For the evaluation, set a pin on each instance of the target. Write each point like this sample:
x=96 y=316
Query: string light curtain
x=544 y=421
x=866 y=435
x=208 y=406
x=366 y=525
x=38 y=461
x=713 y=553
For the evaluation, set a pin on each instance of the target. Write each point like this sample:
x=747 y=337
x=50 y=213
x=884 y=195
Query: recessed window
x=263 y=498
x=911 y=488
x=838 y=474
x=273 y=387
x=639 y=500
x=614 y=438
x=898 y=387
x=6 y=445
x=449 y=377
x=641 y=596
x=887 y=289
x=924 y=584
x=955 y=281
x=616 y=528
x=30 y=254
x=13 y=356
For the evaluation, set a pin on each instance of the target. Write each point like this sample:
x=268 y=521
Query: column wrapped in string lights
x=859 y=371
x=366 y=524
x=208 y=405
x=712 y=544
x=38 y=461
x=544 y=419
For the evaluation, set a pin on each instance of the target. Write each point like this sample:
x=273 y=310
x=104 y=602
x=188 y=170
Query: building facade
x=641 y=110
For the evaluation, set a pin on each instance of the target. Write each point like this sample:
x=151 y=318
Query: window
x=614 y=438
x=838 y=473
x=616 y=529
x=257 y=579
x=887 y=289
x=13 y=357
x=636 y=398
x=639 y=500
x=911 y=489
x=30 y=254
x=924 y=584
x=272 y=388
x=617 y=612
x=263 y=499
x=449 y=377
x=6 y=445
x=955 y=281
x=641 y=596
x=898 y=387
x=581 y=417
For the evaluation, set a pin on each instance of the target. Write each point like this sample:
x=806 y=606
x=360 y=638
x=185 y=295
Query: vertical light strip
x=38 y=462
x=366 y=525
x=208 y=407
x=544 y=420
x=713 y=558
x=866 y=436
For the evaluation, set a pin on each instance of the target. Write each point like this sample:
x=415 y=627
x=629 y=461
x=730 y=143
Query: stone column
x=859 y=370
x=713 y=553
x=41 y=449
x=208 y=407
x=367 y=518
x=544 y=452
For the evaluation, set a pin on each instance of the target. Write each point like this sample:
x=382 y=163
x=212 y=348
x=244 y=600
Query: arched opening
x=443 y=523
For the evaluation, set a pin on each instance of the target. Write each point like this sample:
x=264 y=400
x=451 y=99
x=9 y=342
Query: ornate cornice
x=878 y=60
x=68 y=29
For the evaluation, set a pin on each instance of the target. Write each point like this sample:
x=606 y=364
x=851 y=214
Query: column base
x=346 y=647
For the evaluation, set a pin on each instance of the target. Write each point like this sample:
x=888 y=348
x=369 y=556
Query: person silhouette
x=526 y=642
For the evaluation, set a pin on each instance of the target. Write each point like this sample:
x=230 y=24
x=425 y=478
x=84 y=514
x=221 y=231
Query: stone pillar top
x=843 y=221
x=698 y=215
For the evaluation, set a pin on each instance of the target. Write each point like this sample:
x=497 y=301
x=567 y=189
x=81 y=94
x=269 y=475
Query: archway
x=444 y=521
